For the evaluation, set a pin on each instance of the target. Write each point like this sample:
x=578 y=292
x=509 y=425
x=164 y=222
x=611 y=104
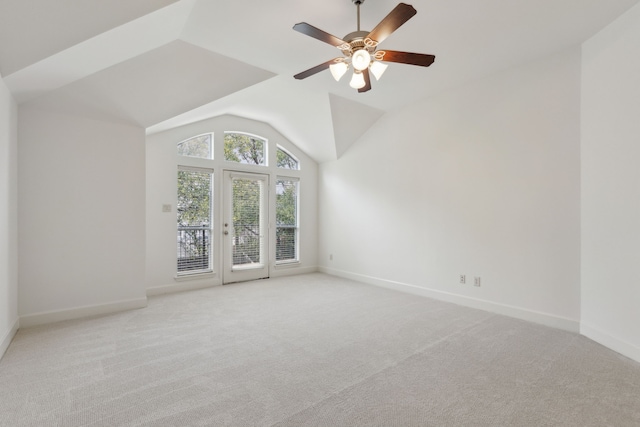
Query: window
x=198 y=146
x=286 y=220
x=245 y=154
x=286 y=160
x=244 y=148
x=194 y=209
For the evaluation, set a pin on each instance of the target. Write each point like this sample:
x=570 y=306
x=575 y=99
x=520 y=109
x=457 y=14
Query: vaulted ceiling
x=164 y=63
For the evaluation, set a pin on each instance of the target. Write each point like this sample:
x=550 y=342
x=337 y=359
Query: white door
x=245 y=227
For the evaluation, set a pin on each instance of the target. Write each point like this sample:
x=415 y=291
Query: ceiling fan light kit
x=377 y=68
x=338 y=69
x=359 y=49
x=360 y=59
x=357 y=80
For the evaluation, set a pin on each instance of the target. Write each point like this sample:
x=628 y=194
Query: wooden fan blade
x=314 y=70
x=367 y=81
x=420 y=59
x=317 y=33
x=398 y=16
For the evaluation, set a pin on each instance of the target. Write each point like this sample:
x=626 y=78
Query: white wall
x=81 y=207
x=162 y=161
x=611 y=186
x=483 y=180
x=8 y=218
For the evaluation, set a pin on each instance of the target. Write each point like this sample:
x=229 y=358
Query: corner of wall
x=8 y=337
x=610 y=105
x=9 y=322
x=616 y=344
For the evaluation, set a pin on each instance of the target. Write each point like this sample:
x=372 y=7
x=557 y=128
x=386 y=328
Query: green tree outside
x=194 y=200
x=194 y=219
x=243 y=148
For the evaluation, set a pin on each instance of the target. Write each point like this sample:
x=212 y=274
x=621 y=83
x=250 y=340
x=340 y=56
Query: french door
x=245 y=230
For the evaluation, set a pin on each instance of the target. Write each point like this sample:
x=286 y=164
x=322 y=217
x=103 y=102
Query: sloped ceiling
x=351 y=120
x=31 y=30
x=172 y=79
x=164 y=63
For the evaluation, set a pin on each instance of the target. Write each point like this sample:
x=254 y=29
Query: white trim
x=281 y=148
x=253 y=135
x=210 y=134
x=296 y=228
x=281 y=272
x=6 y=340
x=240 y=273
x=184 y=277
x=188 y=168
x=287 y=177
x=80 y=312
x=248 y=175
x=248 y=266
x=542 y=318
x=286 y=264
x=616 y=344
x=174 y=288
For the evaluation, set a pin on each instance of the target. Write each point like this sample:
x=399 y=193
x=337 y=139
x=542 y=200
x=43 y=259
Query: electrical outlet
x=166 y=208
x=330 y=257
x=463 y=279
x=476 y=281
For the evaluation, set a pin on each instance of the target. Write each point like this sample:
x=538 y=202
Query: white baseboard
x=180 y=287
x=284 y=270
x=79 y=312
x=185 y=285
x=507 y=310
x=626 y=349
x=6 y=339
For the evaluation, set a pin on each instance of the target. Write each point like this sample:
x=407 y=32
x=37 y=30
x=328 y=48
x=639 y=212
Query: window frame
x=296 y=259
x=211 y=146
x=217 y=165
x=210 y=246
x=288 y=153
x=265 y=149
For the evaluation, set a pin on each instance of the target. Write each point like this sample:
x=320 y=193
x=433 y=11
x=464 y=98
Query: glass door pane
x=245 y=229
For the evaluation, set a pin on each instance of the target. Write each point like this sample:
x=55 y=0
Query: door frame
x=231 y=273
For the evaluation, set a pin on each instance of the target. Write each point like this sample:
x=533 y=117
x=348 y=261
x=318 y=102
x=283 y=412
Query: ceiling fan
x=359 y=49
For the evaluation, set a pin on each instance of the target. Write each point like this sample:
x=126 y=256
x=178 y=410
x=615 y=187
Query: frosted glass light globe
x=357 y=81
x=361 y=59
x=377 y=69
x=337 y=70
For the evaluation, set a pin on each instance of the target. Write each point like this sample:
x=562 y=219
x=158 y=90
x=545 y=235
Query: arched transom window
x=197 y=198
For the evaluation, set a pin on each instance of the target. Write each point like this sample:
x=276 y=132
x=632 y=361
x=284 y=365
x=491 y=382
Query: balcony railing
x=194 y=248
x=286 y=243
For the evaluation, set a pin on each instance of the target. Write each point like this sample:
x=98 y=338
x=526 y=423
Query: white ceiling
x=163 y=63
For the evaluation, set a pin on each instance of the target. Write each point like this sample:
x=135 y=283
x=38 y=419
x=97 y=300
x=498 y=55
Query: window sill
x=287 y=264
x=194 y=276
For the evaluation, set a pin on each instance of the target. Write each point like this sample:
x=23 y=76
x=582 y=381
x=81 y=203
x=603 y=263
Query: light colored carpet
x=311 y=350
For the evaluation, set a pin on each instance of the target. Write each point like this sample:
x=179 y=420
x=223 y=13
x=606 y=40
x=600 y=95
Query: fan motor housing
x=355 y=36
x=356 y=41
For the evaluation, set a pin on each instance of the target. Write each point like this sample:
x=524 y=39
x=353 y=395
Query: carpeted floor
x=311 y=350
